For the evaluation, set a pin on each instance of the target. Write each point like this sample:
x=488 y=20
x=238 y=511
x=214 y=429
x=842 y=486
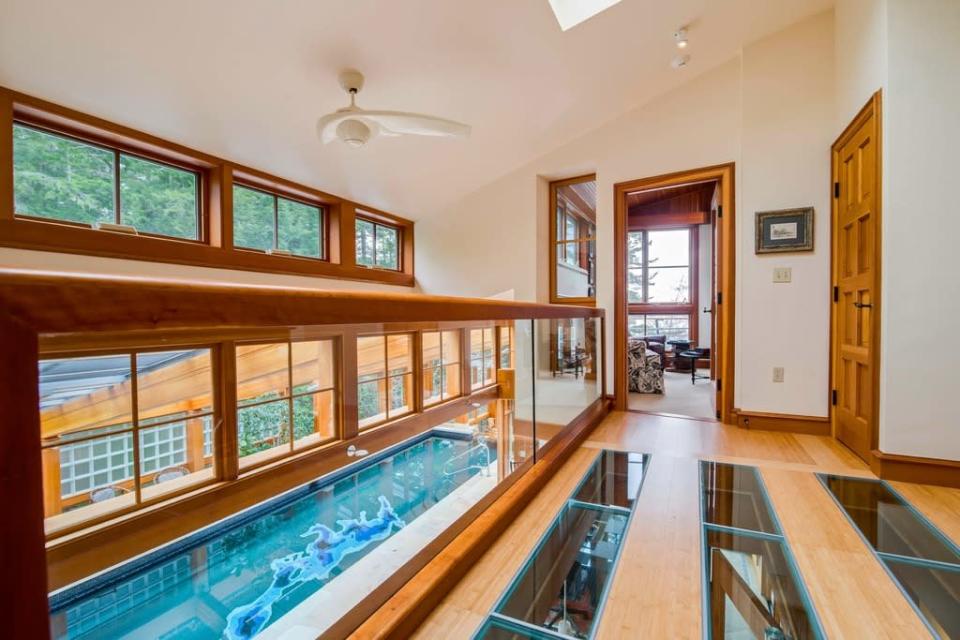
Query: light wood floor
x=656 y=587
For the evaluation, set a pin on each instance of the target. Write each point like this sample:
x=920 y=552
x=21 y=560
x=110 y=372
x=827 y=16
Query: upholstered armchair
x=645 y=368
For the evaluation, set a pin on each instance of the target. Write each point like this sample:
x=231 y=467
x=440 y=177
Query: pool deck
x=656 y=590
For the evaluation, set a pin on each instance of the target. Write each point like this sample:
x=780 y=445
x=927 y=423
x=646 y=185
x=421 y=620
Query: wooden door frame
x=726 y=260
x=873 y=108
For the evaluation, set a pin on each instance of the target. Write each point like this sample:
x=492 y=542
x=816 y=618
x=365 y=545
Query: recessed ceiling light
x=680 y=36
x=680 y=62
x=570 y=13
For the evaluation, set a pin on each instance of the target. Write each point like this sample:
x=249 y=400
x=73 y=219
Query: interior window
x=441 y=366
x=269 y=222
x=378 y=245
x=61 y=178
x=93 y=433
x=384 y=378
x=573 y=233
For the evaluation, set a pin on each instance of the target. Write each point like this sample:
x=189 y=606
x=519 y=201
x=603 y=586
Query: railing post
x=24 y=587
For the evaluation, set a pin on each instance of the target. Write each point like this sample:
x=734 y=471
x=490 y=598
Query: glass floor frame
x=756 y=543
x=613 y=496
x=912 y=573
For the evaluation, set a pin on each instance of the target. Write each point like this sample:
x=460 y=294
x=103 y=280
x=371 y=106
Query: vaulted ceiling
x=247 y=79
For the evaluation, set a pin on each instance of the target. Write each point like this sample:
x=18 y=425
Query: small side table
x=691 y=356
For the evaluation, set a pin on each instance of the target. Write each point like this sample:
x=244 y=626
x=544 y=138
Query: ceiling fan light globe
x=354 y=132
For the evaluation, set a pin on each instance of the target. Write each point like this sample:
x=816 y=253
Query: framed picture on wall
x=784 y=230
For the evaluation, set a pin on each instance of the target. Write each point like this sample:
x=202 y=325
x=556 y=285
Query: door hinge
x=833 y=397
x=719 y=384
x=719 y=297
x=836 y=190
x=719 y=210
x=836 y=293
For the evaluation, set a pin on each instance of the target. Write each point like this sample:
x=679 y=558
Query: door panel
x=856 y=277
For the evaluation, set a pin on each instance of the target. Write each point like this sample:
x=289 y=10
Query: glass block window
x=96 y=463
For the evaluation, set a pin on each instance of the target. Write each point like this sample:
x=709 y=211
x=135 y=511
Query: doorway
x=674 y=267
x=855 y=259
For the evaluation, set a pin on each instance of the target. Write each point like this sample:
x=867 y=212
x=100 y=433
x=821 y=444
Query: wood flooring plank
x=941 y=505
x=853 y=594
x=656 y=588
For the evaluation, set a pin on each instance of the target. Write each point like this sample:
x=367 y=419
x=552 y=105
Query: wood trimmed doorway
x=723 y=303
x=856 y=159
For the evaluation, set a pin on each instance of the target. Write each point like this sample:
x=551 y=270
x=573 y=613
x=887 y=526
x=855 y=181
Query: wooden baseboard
x=893 y=466
x=400 y=616
x=783 y=422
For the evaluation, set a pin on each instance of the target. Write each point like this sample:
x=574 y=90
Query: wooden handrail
x=56 y=302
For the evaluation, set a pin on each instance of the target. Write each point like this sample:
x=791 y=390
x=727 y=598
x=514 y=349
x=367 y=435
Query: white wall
x=921 y=224
x=861 y=55
x=48 y=261
x=496 y=238
x=788 y=113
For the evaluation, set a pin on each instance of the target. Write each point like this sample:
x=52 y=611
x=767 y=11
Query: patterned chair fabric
x=644 y=366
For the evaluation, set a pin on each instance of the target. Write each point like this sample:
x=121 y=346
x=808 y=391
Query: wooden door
x=856 y=280
x=716 y=318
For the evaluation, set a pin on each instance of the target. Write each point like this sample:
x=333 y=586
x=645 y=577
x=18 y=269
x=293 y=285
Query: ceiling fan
x=356 y=126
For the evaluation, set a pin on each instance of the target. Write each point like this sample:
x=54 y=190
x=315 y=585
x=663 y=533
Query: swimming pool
x=232 y=579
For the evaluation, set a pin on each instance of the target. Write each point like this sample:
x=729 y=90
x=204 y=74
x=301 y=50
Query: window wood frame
x=378 y=220
x=666 y=308
x=555 y=241
x=277 y=194
x=215 y=247
x=414 y=400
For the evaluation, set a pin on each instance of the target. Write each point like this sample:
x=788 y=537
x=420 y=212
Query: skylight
x=570 y=13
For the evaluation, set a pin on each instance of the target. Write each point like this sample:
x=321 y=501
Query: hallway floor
x=656 y=590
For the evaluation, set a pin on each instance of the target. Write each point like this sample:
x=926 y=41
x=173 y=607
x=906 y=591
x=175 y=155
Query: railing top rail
x=62 y=302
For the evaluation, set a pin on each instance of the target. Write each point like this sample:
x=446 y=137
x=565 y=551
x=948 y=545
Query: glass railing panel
x=887 y=522
x=752 y=590
x=732 y=497
x=524 y=436
x=614 y=480
x=568 y=376
x=934 y=591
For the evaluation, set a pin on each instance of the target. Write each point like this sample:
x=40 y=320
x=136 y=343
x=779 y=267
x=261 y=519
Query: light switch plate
x=782 y=274
x=778 y=374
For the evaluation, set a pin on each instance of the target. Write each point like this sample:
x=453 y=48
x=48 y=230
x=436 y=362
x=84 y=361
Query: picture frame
x=784 y=230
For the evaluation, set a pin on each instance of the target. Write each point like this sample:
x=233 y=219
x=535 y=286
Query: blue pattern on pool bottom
x=191 y=595
x=322 y=556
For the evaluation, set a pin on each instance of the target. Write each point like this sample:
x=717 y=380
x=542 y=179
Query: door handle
x=707 y=310
x=862 y=305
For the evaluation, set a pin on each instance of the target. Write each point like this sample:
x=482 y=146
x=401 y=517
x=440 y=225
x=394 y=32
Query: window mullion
x=116 y=187
x=135 y=408
x=290 y=390
x=276 y=223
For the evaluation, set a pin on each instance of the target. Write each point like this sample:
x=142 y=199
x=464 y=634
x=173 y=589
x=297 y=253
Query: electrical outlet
x=782 y=274
x=778 y=374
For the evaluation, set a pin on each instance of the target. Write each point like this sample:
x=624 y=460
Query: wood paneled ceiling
x=684 y=204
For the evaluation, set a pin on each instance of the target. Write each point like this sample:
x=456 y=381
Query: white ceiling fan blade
x=327 y=125
x=400 y=122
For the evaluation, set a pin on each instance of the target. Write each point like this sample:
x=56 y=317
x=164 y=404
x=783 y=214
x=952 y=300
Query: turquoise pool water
x=240 y=576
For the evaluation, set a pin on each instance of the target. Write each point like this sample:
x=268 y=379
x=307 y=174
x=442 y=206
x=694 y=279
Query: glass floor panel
x=733 y=497
x=561 y=586
x=498 y=629
x=614 y=480
x=887 y=522
x=752 y=590
x=560 y=590
x=935 y=592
